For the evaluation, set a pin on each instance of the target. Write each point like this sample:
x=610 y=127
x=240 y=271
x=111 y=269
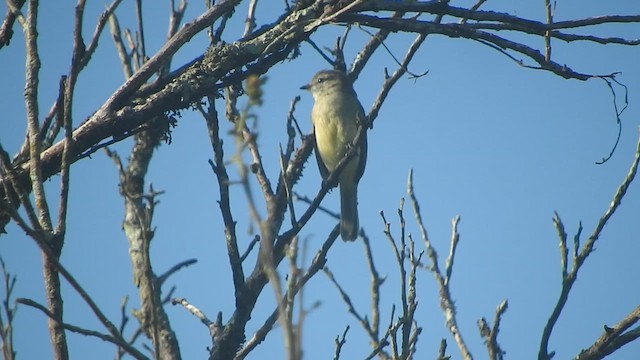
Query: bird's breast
x=335 y=128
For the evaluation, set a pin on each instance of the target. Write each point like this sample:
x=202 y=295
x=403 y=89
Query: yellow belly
x=334 y=134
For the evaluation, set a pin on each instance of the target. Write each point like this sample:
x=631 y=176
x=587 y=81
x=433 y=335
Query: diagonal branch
x=580 y=257
x=613 y=338
x=86 y=332
x=119 y=117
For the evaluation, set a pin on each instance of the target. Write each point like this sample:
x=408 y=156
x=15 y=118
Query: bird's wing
x=362 y=158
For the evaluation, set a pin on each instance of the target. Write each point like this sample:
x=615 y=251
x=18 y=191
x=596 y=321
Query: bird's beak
x=305 y=87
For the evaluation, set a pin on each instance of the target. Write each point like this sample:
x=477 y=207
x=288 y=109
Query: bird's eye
x=320 y=80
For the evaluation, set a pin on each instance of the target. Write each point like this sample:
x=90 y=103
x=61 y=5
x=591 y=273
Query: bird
x=336 y=116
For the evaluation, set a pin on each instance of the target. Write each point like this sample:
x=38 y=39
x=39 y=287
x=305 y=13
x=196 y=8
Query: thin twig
x=317 y=264
x=580 y=257
x=211 y=325
x=76 y=329
x=51 y=257
x=446 y=302
x=369 y=49
x=141 y=37
x=305 y=199
x=455 y=239
x=100 y=25
x=250 y=21
x=340 y=343
x=252 y=244
x=376 y=283
x=123 y=54
x=350 y=308
x=9 y=310
x=547 y=34
x=618 y=113
x=490 y=334
x=390 y=81
x=219 y=168
x=174 y=269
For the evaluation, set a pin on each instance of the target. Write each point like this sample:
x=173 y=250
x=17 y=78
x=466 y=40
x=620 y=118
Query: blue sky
x=500 y=145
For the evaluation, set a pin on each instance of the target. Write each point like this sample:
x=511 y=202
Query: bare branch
x=347 y=300
x=31 y=102
x=274 y=44
x=580 y=257
x=340 y=343
x=7 y=314
x=609 y=80
x=13 y=14
x=490 y=335
x=446 y=301
x=211 y=325
x=87 y=53
x=613 y=338
x=442 y=350
x=376 y=283
x=125 y=58
x=390 y=81
x=53 y=260
x=144 y=101
x=76 y=329
x=252 y=244
x=250 y=21
x=175 y=19
x=81 y=57
x=317 y=264
x=175 y=268
x=142 y=40
x=219 y=168
x=547 y=34
x=137 y=225
x=369 y=49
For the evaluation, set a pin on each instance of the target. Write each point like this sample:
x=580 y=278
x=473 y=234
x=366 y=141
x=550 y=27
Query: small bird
x=336 y=115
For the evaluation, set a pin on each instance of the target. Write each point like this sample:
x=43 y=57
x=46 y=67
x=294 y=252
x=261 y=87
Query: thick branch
x=121 y=115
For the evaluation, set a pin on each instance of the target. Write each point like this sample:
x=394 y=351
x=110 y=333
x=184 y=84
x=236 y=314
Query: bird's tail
x=349 y=225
